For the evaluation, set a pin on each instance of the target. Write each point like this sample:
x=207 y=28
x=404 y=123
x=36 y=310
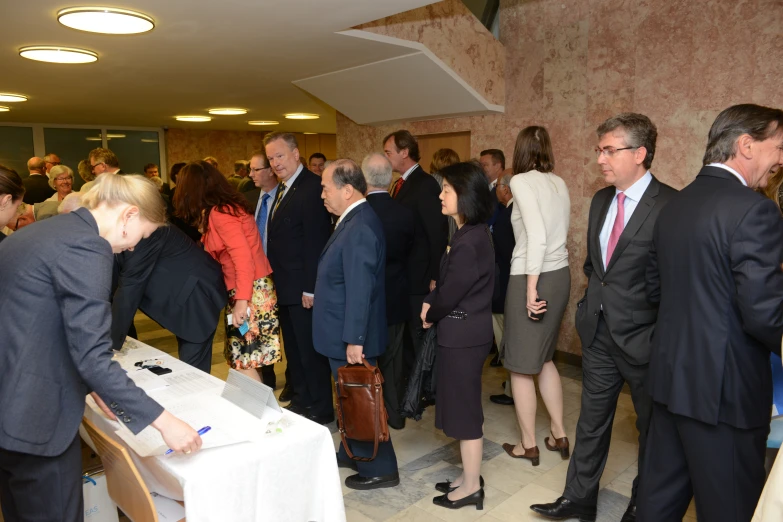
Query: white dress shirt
x=347 y=210
x=726 y=167
x=408 y=172
x=632 y=197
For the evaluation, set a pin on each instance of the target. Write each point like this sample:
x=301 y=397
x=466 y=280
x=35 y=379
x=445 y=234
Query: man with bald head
x=36 y=186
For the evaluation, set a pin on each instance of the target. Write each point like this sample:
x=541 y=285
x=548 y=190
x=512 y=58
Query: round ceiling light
x=45 y=53
x=106 y=20
x=4 y=109
x=94 y=138
x=7 y=97
x=227 y=112
x=193 y=118
x=263 y=122
x=301 y=116
x=308 y=133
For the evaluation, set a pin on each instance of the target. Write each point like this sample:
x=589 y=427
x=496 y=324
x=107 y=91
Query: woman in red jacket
x=205 y=199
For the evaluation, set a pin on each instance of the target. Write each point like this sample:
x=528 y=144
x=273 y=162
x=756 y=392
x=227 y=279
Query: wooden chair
x=126 y=487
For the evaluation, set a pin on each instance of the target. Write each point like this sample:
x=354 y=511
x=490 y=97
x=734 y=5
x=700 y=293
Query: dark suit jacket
x=350 y=303
x=505 y=241
x=173 y=281
x=36 y=189
x=298 y=232
x=420 y=194
x=252 y=196
x=715 y=269
x=54 y=319
x=496 y=206
x=466 y=283
x=398 y=229
x=620 y=289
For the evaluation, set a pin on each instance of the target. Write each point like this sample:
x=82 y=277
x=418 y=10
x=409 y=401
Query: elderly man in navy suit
x=349 y=311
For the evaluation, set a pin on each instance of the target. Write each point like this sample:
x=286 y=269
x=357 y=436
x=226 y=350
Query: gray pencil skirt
x=528 y=344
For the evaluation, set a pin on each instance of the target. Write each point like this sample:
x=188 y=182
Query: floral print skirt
x=260 y=346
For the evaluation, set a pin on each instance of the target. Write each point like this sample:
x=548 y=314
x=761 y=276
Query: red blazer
x=234 y=242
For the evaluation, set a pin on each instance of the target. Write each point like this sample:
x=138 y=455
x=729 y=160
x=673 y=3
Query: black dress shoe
x=630 y=513
x=503 y=399
x=397 y=425
x=347 y=464
x=287 y=394
x=476 y=499
x=386 y=481
x=445 y=487
x=321 y=419
x=297 y=408
x=563 y=508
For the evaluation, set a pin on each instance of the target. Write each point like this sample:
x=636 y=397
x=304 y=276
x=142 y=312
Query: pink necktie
x=617 y=228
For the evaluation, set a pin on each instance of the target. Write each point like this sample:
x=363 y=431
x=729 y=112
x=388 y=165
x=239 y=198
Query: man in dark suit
x=715 y=269
x=493 y=163
x=614 y=320
x=350 y=303
x=36 y=185
x=419 y=192
x=504 y=241
x=398 y=229
x=298 y=229
x=104 y=161
x=178 y=285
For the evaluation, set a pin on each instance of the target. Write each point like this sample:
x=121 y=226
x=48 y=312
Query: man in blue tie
x=264 y=178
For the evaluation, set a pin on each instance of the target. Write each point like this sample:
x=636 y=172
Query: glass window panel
x=16 y=147
x=135 y=149
x=72 y=146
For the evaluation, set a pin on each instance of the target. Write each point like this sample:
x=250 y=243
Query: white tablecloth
x=288 y=476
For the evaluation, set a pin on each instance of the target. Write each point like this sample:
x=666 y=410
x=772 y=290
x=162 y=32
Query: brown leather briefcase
x=361 y=412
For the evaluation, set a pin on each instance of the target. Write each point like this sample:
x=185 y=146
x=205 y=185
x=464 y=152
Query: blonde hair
x=773 y=188
x=442 y=159
x=85 y=171
x=115 y=189
x=58 y=170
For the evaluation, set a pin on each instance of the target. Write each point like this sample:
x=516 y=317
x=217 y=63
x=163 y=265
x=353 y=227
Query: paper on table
x=168 y=510
x=182 y=384
x=146 y=380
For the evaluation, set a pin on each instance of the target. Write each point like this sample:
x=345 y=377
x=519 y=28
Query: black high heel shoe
x=445 y=487
x=476 y=499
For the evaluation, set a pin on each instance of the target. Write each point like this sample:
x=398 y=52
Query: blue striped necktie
x=261 y=218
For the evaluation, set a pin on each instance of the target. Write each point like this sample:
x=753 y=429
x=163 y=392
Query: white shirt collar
x=493 y=184
x=726 y=167
x=636 y=191
x=408 y=172
x=510 y=201
x=347 y=210
x=378 y=192
x=293 y=178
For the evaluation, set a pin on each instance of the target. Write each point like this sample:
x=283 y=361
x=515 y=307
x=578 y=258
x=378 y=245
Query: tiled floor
x=426 y=456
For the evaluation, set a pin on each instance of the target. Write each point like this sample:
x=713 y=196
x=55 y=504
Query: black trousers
x=42 y=489
x=198 y=355
x=415 y=334
x=310 y=372
x=721 y=465
x=604 y=371
x=391 y=366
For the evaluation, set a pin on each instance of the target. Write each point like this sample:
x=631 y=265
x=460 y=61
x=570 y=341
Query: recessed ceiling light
x=93 y=138
x=193 y=118
x=106 y=20
x=110 y=135
x=4 y=109
x=44 y=53
x=6 y=97
x=301 y=116
x=148 y=140
x=309 y=133
x=227 y=112
x=263 y=122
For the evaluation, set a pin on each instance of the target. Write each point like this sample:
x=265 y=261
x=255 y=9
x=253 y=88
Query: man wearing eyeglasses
x=614 y=320
x=51 y=160
x=104 y=161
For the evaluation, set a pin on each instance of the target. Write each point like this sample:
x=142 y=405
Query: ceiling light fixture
x=263 y=122
x=227 y=112
x=7 y=97
x=106 y=20
x=148 y=140
x=93 y=138
x=110 y=135
x=193 y=118
x=301 y=116
x=308 y=133
x=46 y=53
x=4 y=109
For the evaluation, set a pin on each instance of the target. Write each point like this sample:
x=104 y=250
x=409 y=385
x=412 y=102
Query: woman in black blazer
x=461 y=304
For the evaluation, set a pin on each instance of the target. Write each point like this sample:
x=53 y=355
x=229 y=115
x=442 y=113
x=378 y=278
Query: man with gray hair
x=715 y=271
x=36 y=185
x=349 y=317
x=398 y=228
x=51 y=160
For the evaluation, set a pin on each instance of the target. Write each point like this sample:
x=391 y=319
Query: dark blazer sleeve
x=360 y=264
x=134 y=272
x=588 y=266
x=82 y=295
x=434 y=223
x=461 y=274
x=317 y=226
x=756 y=265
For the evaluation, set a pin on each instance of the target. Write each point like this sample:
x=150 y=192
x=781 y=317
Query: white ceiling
x=201 y=54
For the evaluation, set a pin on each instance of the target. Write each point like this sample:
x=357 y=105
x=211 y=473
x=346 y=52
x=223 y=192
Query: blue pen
x=202 y=431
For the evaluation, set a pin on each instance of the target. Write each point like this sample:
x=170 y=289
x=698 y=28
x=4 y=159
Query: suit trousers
x=309 y=369
x=42 y=489
x=721 y=465
x=604 y=371
x=198 y=355
x=391 y=366
x=385 y=462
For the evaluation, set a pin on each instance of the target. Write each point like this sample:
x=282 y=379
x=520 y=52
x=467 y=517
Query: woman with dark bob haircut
x=11 y=193
x=461 y=305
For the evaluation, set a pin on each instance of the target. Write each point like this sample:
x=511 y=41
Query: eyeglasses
x=93 y=166
x=259 y=170
x=68 y=178
x=53 y=163
x=609 y=152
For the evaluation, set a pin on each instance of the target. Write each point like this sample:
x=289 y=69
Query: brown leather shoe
x=560 y=445
x=531 y=454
